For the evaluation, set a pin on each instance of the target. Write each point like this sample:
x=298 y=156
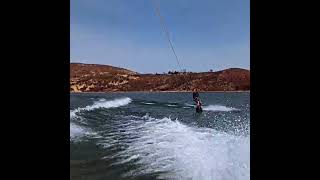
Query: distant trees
x=177 y=72
x=173 y=72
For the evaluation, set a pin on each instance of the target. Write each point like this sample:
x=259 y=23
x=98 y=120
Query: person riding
x=196 y=99
x=195 y=95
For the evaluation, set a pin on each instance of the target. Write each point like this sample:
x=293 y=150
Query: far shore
x=159 y=92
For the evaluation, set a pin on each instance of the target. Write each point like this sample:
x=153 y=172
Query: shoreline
x=159 y=92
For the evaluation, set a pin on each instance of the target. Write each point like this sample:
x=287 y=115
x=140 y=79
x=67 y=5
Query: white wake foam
x=148 y=103
x=102 y=103
x=218 y=108
x=189 y=105
x=75 y=130
x=182 y=152
x=78 y=132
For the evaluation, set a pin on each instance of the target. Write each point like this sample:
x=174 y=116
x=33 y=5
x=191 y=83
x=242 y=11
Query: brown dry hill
x=104 y=78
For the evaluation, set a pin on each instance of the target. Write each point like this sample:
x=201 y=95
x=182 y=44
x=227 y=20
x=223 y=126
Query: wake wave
x=102 y=103
x=218 y=108
x=75 y=131
x=178 y=151
x=78 y=132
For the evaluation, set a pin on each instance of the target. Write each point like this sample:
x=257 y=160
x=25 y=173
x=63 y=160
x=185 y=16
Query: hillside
x=104 y=78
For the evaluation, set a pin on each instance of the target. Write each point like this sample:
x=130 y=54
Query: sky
x=206 y=34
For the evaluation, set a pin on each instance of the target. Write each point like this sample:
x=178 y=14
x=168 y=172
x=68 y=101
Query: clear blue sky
x=206 y=34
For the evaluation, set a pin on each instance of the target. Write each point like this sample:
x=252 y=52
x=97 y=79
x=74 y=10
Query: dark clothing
x=195 y=95
x=196 y=99
x=199 y=109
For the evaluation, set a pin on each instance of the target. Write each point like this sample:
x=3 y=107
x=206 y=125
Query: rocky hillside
x=104 y=78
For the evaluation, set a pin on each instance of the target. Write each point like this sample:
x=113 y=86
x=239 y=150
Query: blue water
x=159 y=136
